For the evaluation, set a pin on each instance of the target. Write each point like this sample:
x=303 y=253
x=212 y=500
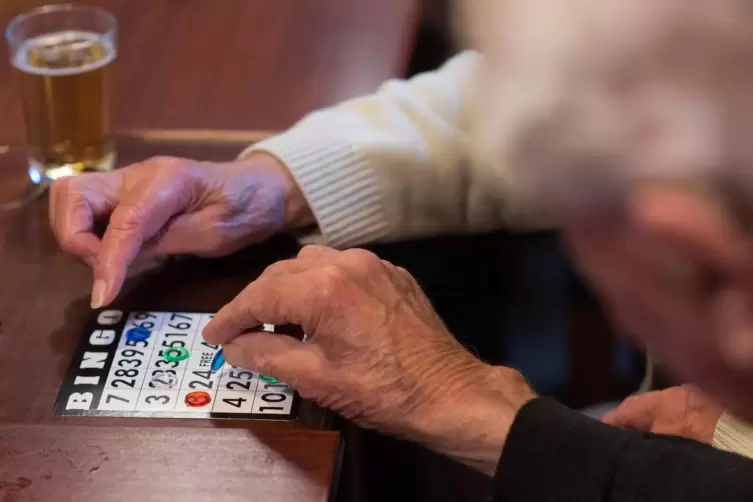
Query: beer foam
x=72 y=42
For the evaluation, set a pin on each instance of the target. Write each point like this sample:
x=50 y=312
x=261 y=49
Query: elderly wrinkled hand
x=677 y=411
x=376 y=352
x=166 y=206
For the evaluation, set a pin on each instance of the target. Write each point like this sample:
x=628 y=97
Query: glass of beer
x=63 y=56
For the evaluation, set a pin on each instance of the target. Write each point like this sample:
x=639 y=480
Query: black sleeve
x=559 y=455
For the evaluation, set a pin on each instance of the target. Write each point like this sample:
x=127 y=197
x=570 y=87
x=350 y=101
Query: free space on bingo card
x=157 y=364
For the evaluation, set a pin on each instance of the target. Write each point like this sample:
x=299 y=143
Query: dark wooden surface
x=240 y=64
x=200 y=64
x=155 y=464
x=44 y=302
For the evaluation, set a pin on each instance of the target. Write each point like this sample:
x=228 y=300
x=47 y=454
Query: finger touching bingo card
x=157 y=364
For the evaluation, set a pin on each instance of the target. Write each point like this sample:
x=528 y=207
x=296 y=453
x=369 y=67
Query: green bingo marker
x=176 y=354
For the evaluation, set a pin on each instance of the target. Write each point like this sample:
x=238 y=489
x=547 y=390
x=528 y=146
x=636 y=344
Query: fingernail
x=98 y=293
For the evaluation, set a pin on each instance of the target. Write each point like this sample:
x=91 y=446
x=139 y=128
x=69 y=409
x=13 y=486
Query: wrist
x=298 y=213
x=470 y=422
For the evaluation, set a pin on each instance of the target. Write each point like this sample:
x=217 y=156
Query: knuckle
x=673 y=394
x=279 y=268
x=127 y=217
x=333 y=281
x=632 y=402
x=176 y=169
x=405 y=274
x=683 y=390
x=276 y=268
x=163 y=161
x=363 y=260
x=311 y=250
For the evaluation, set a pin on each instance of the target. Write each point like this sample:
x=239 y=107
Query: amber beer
x=65 y=84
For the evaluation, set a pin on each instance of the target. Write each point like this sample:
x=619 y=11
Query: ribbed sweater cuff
x=343 y=192
x=734 y=436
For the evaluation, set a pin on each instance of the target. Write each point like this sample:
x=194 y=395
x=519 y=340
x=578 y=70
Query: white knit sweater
x=403 y=163
x=398 y=163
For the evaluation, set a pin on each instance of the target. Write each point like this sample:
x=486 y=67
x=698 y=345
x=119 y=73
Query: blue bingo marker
x=219 y=361
x=138 y=334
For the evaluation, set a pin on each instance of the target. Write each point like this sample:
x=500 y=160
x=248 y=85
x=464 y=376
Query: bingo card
x=157 y=364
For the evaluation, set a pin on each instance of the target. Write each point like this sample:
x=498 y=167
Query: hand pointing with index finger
x=168 y=205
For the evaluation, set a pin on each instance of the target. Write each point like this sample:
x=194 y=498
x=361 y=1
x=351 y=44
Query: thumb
x=279 y=356
x=637 y=412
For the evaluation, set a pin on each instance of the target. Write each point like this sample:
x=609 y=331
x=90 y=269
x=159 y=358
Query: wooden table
x=225 y=64
x=78 y=463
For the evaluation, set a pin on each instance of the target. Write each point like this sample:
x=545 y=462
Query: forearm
x=396 y=164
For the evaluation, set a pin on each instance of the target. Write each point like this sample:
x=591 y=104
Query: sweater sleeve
x=395 y=164
x=556 y=454
x=734 y=435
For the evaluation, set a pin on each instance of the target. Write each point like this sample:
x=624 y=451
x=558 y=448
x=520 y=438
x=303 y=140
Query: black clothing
x=559 y=455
